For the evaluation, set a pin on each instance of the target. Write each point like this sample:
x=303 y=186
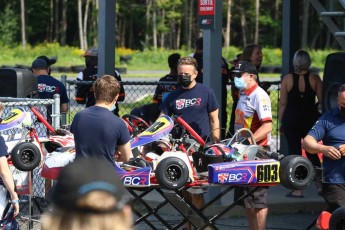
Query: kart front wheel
x=25 y=156
x=296 y=172
x=172 y=173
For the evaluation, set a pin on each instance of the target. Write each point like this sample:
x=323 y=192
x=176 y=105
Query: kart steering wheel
x=136 y=124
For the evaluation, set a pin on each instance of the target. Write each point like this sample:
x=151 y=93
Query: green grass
x=141 y=60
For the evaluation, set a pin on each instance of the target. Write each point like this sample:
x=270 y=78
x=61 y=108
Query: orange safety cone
x=322 y=221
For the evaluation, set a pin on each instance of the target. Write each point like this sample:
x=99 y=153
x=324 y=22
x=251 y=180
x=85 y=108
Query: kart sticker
x=14 y=118
x=135 y=178
x=245 y=172
x=268 y=173
x=160 y=128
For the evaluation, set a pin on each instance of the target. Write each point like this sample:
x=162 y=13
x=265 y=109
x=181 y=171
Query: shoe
x=291 y=195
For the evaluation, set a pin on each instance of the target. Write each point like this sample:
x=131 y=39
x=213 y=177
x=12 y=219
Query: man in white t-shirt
x=253 y=111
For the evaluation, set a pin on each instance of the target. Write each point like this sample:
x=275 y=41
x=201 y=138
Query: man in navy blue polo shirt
x=197 y=105
x=330 y=129
x=48 y=85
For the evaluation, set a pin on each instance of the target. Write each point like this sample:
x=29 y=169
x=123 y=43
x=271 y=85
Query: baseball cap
x=93 y=51
x=39 y=63
x=85 y=175
x=244 y=67
x=50 y=61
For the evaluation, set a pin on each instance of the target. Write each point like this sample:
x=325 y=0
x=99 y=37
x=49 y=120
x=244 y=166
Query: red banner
x=206 y=7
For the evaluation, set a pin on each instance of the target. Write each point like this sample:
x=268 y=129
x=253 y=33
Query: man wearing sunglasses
x=253 y=111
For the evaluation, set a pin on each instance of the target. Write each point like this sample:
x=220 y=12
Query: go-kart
x=174 y=161
x=188 y=161
x=27 y=148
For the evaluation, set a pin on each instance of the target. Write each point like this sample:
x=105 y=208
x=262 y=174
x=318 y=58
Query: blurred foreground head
x=88 y=195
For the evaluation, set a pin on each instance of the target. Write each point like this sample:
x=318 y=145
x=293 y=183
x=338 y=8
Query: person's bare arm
x=312 y=146
x=214 y=125
x=124 y=152
x=7 y=178
x=64 y=108
x=261 y=133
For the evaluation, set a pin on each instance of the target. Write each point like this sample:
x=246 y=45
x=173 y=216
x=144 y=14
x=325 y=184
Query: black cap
x=39 y=64
x=244 y=67
x=86 y=175
x=50 y=61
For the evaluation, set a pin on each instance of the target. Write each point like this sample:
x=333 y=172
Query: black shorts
x=334 y=195
x=257 y=199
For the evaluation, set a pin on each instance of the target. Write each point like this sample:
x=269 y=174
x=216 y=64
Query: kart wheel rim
x=301 y=172
x=173 y=173
x=27 y=156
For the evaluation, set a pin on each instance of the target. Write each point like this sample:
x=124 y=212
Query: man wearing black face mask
x=330 y=129
x=197 y=105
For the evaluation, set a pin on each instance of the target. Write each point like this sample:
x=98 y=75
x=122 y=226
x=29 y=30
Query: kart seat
x=139 y=162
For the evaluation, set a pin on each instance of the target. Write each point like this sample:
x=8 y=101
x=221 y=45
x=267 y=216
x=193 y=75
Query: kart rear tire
x=172 y=173
x=337 y=220
x=25 y=156
x=296 y=172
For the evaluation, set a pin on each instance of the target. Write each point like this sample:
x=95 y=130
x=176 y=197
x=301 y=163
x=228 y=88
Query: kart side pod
x=293 y=172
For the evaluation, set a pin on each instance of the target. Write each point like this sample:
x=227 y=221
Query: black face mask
x=342 y=111
x=184 y=80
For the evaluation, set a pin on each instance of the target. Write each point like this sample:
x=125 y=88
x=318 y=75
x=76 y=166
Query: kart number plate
x=267 y=173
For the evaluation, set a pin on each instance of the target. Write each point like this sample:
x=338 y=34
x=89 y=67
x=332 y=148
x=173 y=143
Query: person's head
x=301 y=61
x=40 y=67
x=253 y=54
x=88 y=199
x=91 y=57
x=341 y=100
x=172 y=61
x=106 y=89
x=50 y=61
x=244 y=74
x=187 y=71
x=199 y=44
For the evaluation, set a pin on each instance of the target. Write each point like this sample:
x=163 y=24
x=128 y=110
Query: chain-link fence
x=33 y=195
x=139 y=93
x=30 y=186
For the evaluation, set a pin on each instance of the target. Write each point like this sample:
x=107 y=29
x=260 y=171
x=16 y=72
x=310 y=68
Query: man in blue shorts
x=97 y=132
x=196 y=104
x=330 y=130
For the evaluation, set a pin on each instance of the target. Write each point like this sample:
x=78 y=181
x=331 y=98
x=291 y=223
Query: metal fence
x=139 y=93
x=30 y=185
x=33 y=198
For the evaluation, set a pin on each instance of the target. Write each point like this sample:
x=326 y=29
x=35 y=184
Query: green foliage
x=9 y=26
x=141 y=60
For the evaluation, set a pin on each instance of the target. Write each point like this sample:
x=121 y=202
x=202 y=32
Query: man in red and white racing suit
x=253 y=111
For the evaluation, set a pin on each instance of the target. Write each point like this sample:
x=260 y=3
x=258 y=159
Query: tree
x=22 y=17
x=228 y=23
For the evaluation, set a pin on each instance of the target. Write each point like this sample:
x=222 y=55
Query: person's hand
x=342 y=149
x=331 y=152
x=117 y=155
x=15 y=205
